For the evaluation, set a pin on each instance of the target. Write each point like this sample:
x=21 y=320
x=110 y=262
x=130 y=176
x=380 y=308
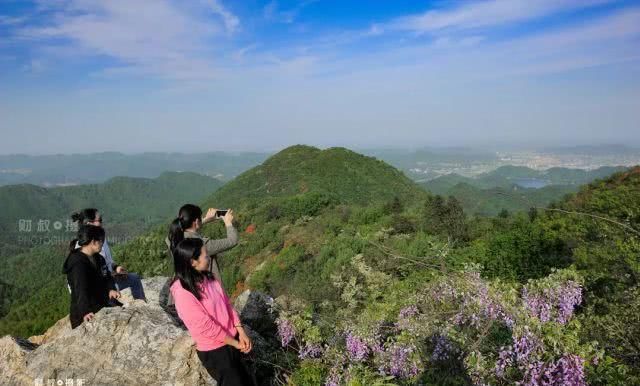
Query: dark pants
x=226 y=365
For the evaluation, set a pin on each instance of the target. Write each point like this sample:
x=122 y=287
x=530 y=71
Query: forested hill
x=127 y=203
x=338 y=173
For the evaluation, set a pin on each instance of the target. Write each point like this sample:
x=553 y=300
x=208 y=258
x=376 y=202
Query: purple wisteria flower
x=334 y=378
x=505 y=359
x=357 y=348
x=442 y=348
x=286 y=331
x=478 y=304
x=405 y=317
x=570 y=297
x=525 y=354
x=569 y=371
x=399 y=361
x=525 y=346
x=566 y=371
x=555 y=304
x=310 y=350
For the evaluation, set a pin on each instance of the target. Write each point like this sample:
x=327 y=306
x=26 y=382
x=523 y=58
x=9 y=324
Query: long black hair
x=85 y=215
x=186 y=216
x=86 y=234
x=183 y=254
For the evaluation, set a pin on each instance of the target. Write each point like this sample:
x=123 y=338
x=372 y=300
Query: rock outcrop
x=137 y=344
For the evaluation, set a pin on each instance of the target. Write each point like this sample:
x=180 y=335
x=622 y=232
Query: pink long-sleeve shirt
x=209 y=320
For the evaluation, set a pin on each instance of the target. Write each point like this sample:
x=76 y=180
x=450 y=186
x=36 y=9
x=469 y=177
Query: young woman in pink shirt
x=205 y=309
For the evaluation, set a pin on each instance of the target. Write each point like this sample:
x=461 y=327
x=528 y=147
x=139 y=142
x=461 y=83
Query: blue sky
x=200 y=75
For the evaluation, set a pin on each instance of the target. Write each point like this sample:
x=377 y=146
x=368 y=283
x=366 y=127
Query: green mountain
x=504 y=176
x=511 y=171
x=493 y=201
x=345 y=176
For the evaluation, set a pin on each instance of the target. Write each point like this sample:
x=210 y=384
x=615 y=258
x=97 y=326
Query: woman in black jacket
x=88 y=276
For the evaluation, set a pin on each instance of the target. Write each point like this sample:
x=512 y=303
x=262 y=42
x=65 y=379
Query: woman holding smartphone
x=205 y=309
x=188 y=224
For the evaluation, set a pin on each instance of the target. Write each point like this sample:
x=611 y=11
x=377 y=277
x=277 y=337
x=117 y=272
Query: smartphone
x=221 y=213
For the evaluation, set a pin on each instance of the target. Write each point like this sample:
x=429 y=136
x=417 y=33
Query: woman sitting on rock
x=207 y=313
x=122 y=278
x=88 y=276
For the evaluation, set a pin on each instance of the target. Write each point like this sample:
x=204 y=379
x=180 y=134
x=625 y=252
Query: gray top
x=214 y=247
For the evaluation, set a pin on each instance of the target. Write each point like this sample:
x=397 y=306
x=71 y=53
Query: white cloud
x=231 y=21
x=486 y=13
x=11 y=20
x=153 y=37
x=273 y=12
x=596 y=41
x=239 y=55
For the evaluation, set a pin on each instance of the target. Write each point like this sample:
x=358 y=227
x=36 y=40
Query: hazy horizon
x=442 y=148
x=83 y=76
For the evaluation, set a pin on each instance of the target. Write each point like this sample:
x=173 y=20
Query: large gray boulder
x=133 y=345
x=137 y=344
x=257 y=310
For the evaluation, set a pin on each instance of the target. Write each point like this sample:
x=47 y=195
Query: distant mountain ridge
x=489 y=193
x=73 y=169
x=122 y=199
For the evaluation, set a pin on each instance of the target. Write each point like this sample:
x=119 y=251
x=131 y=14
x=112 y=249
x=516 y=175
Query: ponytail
x=187 y=215
x=176 y=233
x=84 y=216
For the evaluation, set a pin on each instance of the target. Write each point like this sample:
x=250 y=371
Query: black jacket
x=90 y=282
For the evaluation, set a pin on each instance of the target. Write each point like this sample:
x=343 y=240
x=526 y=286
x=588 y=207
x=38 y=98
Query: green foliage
x=520 y=250
x=299 y=205
x=308 y=373
x=273 y=275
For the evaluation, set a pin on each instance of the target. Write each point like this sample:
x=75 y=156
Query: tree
x=446 y=217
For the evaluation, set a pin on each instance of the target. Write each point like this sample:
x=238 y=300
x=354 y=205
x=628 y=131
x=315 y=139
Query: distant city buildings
x=531 y=159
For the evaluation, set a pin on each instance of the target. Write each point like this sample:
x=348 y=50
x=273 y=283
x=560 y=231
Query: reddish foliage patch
x=241 y=286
